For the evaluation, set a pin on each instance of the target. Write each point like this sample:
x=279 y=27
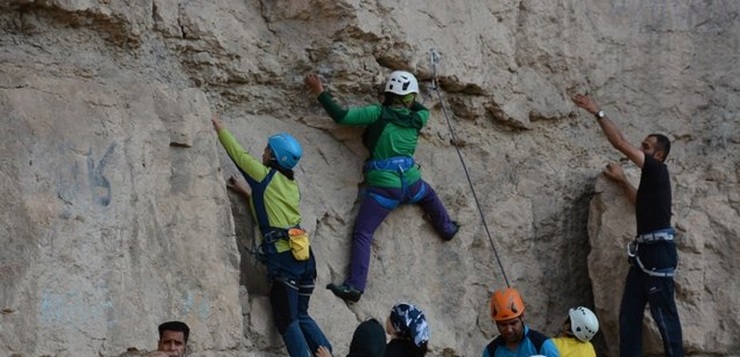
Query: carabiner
x=632 y=249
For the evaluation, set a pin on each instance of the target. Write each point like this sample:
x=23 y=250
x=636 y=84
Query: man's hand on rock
x=614 y=172
x=585 y=102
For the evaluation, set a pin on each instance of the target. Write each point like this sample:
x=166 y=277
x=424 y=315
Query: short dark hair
x=175 y=326
x=664 y=144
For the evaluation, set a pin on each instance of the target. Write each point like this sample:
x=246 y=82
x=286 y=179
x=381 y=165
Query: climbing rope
x=434 y=58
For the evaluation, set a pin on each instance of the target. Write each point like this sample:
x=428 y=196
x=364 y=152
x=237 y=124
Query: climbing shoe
x=454 y=231
x=345 y=292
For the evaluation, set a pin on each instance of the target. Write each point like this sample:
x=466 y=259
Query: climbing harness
x=663 y=235
x=434 y=58
x=398 y=164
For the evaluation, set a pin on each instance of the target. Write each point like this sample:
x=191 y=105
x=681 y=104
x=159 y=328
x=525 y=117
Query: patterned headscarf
x=409 y=322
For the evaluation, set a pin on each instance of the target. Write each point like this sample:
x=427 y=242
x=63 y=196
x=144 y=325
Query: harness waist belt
x=660 y=273
x=657 y=236
x=396 y=163
x=654 y=237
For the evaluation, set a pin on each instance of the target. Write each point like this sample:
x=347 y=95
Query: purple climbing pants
x=373 y=211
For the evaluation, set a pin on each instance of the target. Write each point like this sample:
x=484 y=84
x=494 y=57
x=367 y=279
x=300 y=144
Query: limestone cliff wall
x=115 y=214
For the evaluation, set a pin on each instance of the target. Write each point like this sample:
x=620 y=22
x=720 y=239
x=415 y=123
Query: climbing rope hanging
x=434 y=58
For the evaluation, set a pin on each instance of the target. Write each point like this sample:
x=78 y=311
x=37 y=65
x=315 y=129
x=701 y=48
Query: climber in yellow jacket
x=275 y=202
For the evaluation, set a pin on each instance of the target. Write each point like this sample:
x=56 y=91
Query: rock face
x=116 y=217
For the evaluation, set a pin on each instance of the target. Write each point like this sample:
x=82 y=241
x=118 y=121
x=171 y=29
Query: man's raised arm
x=612 y=132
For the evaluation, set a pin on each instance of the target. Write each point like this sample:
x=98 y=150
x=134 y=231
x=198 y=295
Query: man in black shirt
x=652 y=255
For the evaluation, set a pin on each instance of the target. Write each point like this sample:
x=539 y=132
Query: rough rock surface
x=115 y=214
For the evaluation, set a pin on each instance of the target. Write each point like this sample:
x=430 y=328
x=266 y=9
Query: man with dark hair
x=652 y=255
x=173 y=340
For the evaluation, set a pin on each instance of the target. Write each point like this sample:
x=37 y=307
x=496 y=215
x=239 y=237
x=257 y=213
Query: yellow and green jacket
x=281 y=198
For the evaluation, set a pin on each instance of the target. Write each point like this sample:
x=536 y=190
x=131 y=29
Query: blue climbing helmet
x=286 y=150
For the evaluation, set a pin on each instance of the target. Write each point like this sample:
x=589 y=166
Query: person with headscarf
x=409 y=332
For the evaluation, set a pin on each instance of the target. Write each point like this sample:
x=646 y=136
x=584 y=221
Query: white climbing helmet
x=583 y=323
x=402 y=83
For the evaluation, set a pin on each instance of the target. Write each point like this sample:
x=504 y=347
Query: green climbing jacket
x=391 y=133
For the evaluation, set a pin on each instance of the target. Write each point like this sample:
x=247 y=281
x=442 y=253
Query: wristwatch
x=600 y=114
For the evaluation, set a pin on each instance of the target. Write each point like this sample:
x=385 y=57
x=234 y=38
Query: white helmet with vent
x=402 y=83
x=583 y=323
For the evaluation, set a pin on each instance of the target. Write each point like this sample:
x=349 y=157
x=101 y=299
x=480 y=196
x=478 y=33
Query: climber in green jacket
x=391 y=174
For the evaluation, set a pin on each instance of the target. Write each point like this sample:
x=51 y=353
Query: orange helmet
x=506 y=304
